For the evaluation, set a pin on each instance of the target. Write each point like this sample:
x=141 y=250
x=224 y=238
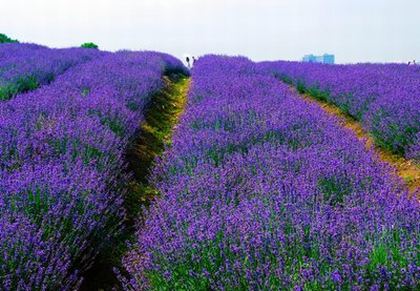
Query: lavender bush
x=384 y=97
x=62 y=171
x=263 y=191
x=24 y=67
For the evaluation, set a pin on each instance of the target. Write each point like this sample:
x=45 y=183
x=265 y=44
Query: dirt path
x=406 y=169
x=154 y=135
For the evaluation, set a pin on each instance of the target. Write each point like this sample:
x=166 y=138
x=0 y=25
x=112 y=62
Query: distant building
x=324 y=59
x=309 y=59
x=328 y=59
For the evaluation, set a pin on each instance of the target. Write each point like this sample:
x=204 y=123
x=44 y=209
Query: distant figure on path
x=194 y=60
x=188 y=62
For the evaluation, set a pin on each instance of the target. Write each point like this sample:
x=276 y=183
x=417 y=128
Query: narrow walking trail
x=155 y=134
x=153 y=137
x=406 y=169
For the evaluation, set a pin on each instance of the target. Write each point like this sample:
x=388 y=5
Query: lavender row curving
x=62 y=170
x=263 y=191
x=384 y=97
x=24 y=67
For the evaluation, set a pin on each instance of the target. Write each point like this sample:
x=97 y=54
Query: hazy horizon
x=355 y=31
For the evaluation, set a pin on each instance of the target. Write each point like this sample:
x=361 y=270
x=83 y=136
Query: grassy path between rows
x=154 y=136
x=408 y=170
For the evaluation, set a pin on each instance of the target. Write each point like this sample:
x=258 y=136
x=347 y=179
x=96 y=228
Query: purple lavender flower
x=63 y=176
x=263 y=191
x=24 y=67
x=384 y=97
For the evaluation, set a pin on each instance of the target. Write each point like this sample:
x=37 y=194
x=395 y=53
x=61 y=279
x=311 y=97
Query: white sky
x=354 y=30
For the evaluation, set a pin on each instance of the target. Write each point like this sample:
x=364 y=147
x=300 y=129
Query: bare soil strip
x=408 y=170
x=154 y=136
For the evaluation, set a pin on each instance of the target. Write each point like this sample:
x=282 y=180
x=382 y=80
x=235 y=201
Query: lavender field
x=250 y=186
x=63 y=174
x=384 y=97
x=262 y=191
x=24 y=67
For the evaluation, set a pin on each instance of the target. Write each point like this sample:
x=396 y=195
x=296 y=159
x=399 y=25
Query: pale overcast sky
x=354 y=30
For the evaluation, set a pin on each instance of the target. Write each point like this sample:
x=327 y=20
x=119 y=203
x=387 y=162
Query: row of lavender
x=384 y=97
x=262 y=191
x=24 y=67
x=62 y=169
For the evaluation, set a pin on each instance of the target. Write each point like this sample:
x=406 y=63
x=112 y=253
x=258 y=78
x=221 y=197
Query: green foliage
x=210 y=259
x=4 y=38
x=21 y=85
x=115 y=124
x=89 y=45
x=318 y=93
x=335 y=189
x=391 y=136
x=300 y=86
x=284 y=78
x=387 y=252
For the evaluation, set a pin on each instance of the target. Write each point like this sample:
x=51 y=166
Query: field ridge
x=407 y=169
x=161 y=118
